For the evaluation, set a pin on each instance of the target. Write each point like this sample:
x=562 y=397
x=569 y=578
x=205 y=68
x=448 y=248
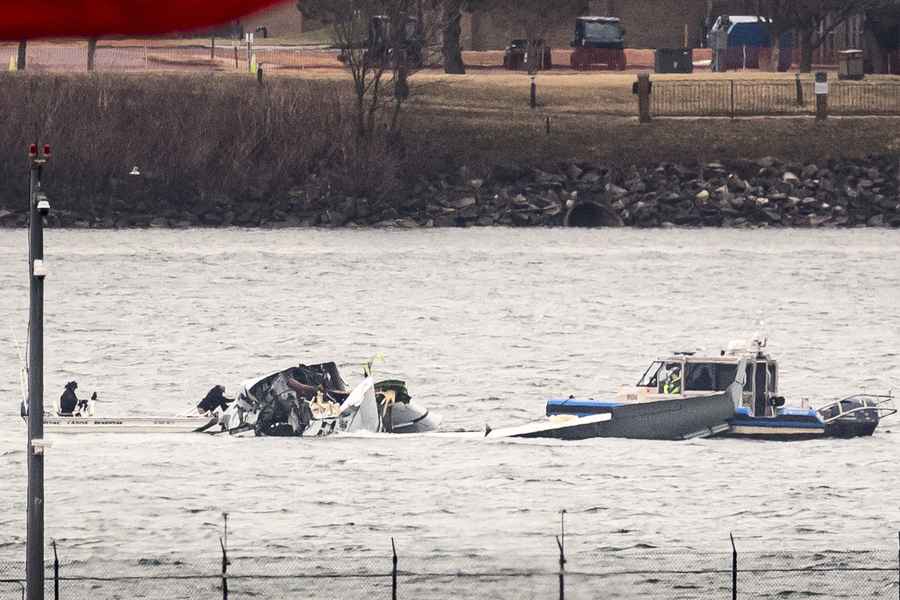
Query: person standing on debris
x=68 y=401
x=215 y=398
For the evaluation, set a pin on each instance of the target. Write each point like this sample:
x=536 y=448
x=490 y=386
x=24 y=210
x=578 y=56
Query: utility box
x=850 y=64
x=674 y=60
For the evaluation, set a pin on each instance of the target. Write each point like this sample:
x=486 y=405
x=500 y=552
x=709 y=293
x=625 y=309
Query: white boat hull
x=128 y=424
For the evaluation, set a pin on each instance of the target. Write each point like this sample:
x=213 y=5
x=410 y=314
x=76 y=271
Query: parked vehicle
x=516 y=58
x=599 y=44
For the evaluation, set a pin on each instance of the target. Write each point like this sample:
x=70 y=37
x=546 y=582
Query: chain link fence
x=648 y=574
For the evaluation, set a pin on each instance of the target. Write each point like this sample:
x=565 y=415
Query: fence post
x=236 y=66
x=733 y=568
x=821 y=95
x=561 y=542
x=799 y=91
x=21 y=55
x=643 y=88
x=732 y=98
x=533 y=102
x=91 y=53
x=394 y=571
x=55 y=572
x=224 y=570
x=212 y=48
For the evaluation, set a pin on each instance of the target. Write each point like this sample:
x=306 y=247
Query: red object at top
x=29 y=19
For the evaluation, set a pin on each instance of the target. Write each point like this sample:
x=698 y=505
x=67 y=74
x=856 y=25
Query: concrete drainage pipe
x=589 y=214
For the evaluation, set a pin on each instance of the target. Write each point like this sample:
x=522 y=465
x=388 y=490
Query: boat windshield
x=651 y=375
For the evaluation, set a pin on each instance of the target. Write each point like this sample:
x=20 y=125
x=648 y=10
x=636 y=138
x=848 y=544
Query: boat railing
x=883 y=404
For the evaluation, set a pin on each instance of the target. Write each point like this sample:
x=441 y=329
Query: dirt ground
x=130 y=55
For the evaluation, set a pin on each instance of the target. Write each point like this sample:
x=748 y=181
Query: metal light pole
x=38 y=209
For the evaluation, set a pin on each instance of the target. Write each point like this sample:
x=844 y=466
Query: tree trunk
x=91 y=50
x=775 y=58
x=452 y=52
x=20 y=57
x=806 y=51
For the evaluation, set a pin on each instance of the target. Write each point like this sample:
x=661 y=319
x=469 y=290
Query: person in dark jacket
x=215 y=398
x=68 y=401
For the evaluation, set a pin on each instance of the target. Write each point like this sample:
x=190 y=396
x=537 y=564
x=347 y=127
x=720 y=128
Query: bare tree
x=451 y=50
x=452 y=45
x=382 y=43
x=813 y=20
x=535 y=19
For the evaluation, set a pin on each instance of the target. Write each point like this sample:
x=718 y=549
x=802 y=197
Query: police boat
x=762 y=413
x=658 y=408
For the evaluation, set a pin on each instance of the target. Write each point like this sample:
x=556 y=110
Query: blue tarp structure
x=745 y=37
x=749 y=31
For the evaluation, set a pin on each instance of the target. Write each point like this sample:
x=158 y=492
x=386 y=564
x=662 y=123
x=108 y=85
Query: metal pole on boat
x=34 y=545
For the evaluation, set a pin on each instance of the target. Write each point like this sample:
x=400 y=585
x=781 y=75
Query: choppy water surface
x=484 y=325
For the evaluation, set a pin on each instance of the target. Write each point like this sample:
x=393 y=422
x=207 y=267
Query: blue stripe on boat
x=792 y=411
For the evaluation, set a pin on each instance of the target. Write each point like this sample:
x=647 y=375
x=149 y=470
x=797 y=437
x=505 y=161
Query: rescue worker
x=68 y=401
x=215 y=398
x=673 y=382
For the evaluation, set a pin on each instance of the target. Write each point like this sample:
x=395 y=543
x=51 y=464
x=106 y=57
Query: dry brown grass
x=483 y=118
x=197 y=138
x=193 y=138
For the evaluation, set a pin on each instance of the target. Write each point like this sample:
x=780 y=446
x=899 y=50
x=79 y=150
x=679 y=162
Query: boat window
x=725 y=375
x=700 y=376
x=748 y=383
x=773 y=378
x=651 y=375
x=761 y=407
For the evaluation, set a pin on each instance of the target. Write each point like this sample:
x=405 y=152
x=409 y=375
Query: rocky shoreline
x=749 y=193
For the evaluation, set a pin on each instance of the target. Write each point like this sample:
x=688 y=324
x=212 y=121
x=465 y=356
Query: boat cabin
x=687 y=374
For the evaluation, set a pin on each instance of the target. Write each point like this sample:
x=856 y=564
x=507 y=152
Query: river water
x=484 y=325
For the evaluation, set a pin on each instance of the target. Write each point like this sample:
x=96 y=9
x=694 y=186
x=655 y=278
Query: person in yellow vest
x=673 y=382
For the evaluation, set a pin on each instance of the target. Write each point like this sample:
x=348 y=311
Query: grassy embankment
x=593 y=116
x=198 y=136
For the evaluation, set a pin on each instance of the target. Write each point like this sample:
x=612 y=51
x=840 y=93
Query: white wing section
x=361 y=403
